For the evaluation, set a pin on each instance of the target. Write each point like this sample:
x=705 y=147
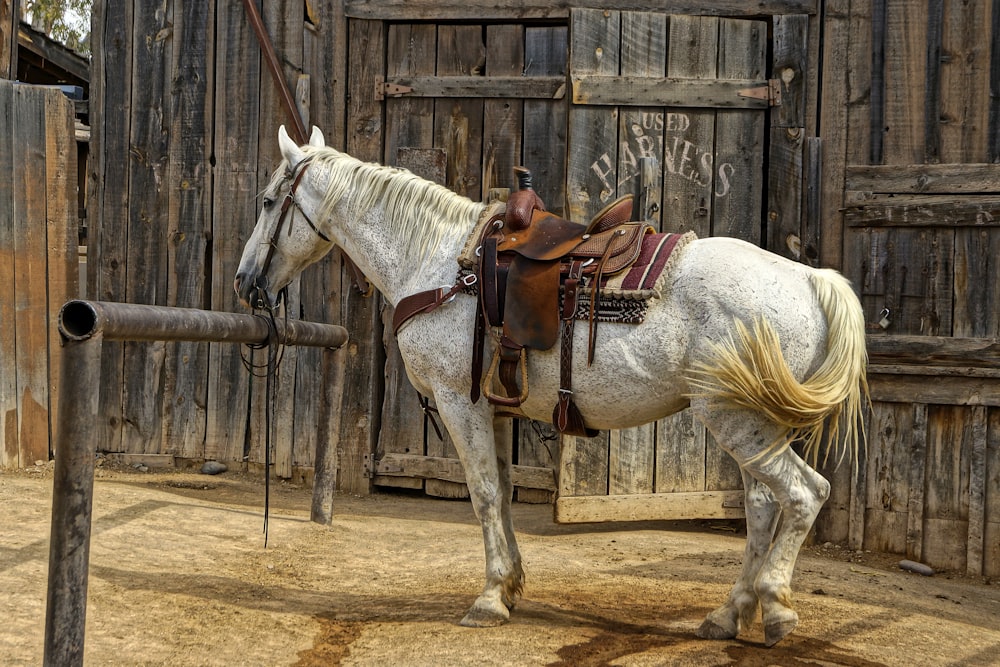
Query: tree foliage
x=66 y=21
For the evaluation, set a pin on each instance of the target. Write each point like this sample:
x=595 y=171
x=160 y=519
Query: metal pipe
x=84 y=326
x=72 y=502
x=79 y=320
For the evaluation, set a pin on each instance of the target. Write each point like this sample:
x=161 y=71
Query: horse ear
x=316 y=139
x=289 y=150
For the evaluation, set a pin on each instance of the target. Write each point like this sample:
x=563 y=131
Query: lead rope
x=275 y=353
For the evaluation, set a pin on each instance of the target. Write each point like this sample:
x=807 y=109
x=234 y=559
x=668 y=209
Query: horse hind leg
x=740 y=609
x=799 y=492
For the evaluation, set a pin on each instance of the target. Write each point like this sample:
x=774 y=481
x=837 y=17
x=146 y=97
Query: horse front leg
x=487 y=475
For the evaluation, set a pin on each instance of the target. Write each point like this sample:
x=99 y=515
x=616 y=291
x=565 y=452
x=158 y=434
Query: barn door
x=673 y=109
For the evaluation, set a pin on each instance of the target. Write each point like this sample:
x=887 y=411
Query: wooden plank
x=458 y=130
x=908 y=271
x=905 y=81
x=857 y=493
x=284 y=22
x=923 y=210
x=544 y=145
x=887 y=486
x=935 y=389
x=427 y=10
x=9 y=19
x=363 y=361
x=993 y=138
x=583 y=466
x=976 y=311
x=458 y=124
x=933 y=371
x=786 y=160
x=591 y=181
x=934 y=351
x=670 y=91
x=632 y=452
x=491 y=86
x=62 y=229
x=946 y=514
x=234 y=213
x=916 y=474
x=925 y=178
x=409 y=132
x=109 y=177
x=8 y=350
x=148 y=201
x=188 y=225
x=932 y=86
x=839 y=64
x=680 y=454
x=650 y=507
x=739 y=135
x=502 y=119
x=991 y=518
x=689 y=140
x=318 y=381
x=977 y=491
x=640 y=130
x=449 y=469
x=409 y=121
x=965 y=82
x=30 y=267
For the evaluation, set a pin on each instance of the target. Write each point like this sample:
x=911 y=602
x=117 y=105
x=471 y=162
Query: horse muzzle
x=253 y=293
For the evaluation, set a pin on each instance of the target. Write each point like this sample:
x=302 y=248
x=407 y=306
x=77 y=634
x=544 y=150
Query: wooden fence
x=38 y=261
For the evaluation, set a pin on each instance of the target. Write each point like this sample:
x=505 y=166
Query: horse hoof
x=479 y=617
x=711 y=630
x=775 y=632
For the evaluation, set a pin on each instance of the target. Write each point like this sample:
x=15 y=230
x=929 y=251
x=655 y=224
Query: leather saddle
x=532 y=267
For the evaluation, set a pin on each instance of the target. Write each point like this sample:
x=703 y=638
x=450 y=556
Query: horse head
x=288 y=235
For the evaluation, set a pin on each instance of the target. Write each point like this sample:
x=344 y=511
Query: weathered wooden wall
x=912 y=132
x=184 y=137
x=38 y=261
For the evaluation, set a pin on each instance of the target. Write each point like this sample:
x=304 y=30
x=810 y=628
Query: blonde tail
x=752 y=372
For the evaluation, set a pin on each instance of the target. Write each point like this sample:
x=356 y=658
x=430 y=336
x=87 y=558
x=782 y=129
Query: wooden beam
x=450 y=470
x=520 y=87
x=925 y=178
x=924 y=351
x=416 y=10
x=650 y=507
x=667 y=91
x=922 y=211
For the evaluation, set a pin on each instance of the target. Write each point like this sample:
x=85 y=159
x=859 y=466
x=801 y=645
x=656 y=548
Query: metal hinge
x=771 y=92
x=385 y=89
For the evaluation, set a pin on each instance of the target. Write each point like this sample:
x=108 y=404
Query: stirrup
x=506 y=401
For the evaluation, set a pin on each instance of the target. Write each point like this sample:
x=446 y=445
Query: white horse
x=764 y=350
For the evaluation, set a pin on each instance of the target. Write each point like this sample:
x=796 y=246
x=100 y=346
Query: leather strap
x=566 y=416
x=426 y=301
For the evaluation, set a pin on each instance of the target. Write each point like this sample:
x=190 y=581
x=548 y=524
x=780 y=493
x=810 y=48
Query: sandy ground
x=180 y=576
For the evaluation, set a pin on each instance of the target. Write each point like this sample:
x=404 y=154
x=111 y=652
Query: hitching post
x=84 y=326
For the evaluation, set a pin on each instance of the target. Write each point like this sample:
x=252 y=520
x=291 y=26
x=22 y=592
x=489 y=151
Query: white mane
x=415 y=208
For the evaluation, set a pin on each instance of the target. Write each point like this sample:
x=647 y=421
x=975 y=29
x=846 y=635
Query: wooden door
x=673 y=109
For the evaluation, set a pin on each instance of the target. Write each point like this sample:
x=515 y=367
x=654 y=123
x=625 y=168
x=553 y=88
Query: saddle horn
x=522 y=204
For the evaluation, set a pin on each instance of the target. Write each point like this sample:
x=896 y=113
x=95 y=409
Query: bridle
x=260 y=282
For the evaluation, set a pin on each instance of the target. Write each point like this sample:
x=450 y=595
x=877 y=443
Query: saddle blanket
x=624 y=297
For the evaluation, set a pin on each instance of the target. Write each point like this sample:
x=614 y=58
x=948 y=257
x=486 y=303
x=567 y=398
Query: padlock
x=884 y=320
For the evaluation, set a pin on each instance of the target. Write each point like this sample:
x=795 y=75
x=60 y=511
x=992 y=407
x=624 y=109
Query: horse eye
x=268 y=202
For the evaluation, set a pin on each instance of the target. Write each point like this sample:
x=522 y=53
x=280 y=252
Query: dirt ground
x=180 y=576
